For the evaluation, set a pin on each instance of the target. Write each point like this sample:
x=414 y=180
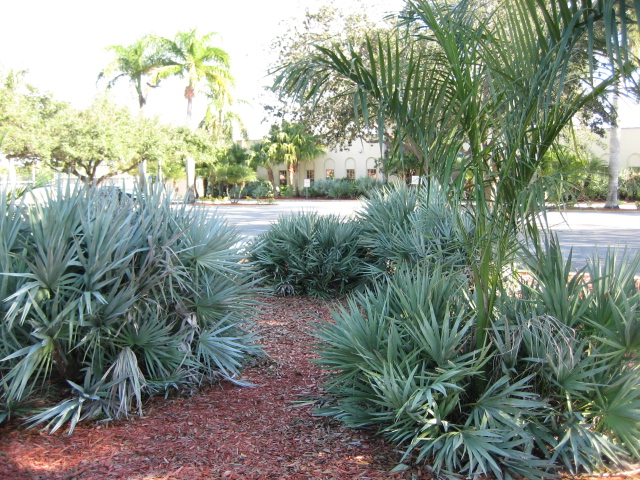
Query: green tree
x=234 y=168
x=484 y=96
x=26 y=116
x=96 y=143
x=198 y=145
x=196 y=58
x=154 y=143
x=260 y=157
x=330 y=116
x=496 y=91
x=220 y=120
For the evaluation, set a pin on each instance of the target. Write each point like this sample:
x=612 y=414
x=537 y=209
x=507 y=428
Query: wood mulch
x=223 y=432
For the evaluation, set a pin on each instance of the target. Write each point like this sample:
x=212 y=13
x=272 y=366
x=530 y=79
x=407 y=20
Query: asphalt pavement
x=587 y=232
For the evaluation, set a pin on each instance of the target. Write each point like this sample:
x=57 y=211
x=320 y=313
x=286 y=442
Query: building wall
x=629 y=148
x=360 y=157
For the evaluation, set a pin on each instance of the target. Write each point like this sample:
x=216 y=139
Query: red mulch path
x=223 y=432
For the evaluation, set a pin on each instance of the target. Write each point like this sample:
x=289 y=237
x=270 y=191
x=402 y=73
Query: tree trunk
x=190 y=165
x=142 y=169
x=614 y=158
x=295 y=179
x=271 y=180
x=189 y=93
x=291 y=179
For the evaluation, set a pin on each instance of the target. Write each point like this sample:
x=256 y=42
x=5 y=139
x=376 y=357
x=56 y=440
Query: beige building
x=629 y=148
x=360 y=160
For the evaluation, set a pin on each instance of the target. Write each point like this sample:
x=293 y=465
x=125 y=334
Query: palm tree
x=500 y=91
x=234 y=168
x=136 y=63
x=292 y=143
x=194 y=57
x=307 y=147
x=220 y=120
x=483 y=99
x=260 y=158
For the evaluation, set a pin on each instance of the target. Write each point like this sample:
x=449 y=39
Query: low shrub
x=344 y=188
x=320 y=188
x=260 y=189
x=366 y=187
x=630 y=183
x=109 y=299
x=312 y=254
x=408 y=225
x=555 y=386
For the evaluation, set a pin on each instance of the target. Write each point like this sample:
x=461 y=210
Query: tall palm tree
x=195 y=58
x=136 y=63
x=501 y=91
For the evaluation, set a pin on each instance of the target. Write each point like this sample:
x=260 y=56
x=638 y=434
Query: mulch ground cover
x=223 y=432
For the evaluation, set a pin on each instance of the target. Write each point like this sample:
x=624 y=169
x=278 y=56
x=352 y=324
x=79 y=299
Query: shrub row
x=329 y=255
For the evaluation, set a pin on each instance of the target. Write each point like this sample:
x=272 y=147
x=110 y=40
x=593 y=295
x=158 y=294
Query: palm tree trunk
x=189 y=111
x=142 y=171
x=614 y=157
x=189 y=93
x=291 y=179
x=272 y=180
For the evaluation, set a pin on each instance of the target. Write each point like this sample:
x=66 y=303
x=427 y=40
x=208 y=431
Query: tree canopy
x=330 y=115
x=481 y=102
x=135 y=62
x=290 y=143
x=95 y=143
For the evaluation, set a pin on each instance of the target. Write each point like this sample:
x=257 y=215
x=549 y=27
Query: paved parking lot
x=586 y=231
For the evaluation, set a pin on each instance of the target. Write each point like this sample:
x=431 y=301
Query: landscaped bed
x=224 y=431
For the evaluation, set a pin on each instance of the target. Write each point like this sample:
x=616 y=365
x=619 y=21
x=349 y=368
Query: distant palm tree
x=219 y=119
x=194 y=57
x=260 y=158
x=135 y=62
x=292 y=143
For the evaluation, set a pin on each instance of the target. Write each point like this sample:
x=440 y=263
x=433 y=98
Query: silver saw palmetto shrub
x=307 y=253
x=555 y=386
x=404 y=225
x=110 y=298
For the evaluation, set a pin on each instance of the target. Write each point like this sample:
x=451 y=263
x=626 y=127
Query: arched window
x=350 y=165
x=371 y=168
x=330 y=168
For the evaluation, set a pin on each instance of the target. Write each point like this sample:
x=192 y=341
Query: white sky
x=62 y=45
